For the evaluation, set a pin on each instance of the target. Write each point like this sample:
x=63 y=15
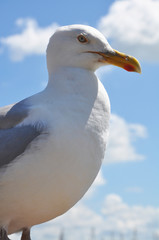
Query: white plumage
x=56 y=139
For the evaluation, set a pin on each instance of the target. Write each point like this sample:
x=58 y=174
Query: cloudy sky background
x=124 y=200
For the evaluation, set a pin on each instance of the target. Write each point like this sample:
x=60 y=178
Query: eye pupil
x=82 y=39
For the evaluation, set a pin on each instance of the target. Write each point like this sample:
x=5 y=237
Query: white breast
x=58 y=168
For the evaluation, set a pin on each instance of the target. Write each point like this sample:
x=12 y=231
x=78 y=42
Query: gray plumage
x=15 y=139
x=13 y=114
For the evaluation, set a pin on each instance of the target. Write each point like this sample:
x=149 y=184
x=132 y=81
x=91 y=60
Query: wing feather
x=15 y=139
x=13 y=114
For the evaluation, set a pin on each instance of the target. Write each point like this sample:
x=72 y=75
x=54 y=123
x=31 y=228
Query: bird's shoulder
x=13 y=114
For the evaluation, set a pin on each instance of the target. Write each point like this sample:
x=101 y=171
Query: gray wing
x=13 y=114
x=15 y=139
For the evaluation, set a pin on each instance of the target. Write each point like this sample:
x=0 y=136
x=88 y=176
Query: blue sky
x=125 y=196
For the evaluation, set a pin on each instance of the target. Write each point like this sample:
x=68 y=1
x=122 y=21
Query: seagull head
x=85 y=47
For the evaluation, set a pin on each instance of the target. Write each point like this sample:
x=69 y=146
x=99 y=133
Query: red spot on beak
x=129 y=68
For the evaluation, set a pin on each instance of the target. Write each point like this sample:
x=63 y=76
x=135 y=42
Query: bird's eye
x=82 y=39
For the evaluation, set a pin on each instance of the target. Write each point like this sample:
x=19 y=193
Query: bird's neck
x=72 y=81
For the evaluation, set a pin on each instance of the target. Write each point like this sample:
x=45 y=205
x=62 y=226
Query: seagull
x=52 y=144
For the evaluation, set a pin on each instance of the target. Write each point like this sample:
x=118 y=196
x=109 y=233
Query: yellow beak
x=119 y=59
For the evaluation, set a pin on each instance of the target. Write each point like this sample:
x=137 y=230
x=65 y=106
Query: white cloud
x=121 y=217
x=121 y=138
x=32 y=39
x=132 y=26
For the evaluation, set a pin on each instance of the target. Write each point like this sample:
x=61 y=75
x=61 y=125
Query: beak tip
x=133 y=68
x=138 y=70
